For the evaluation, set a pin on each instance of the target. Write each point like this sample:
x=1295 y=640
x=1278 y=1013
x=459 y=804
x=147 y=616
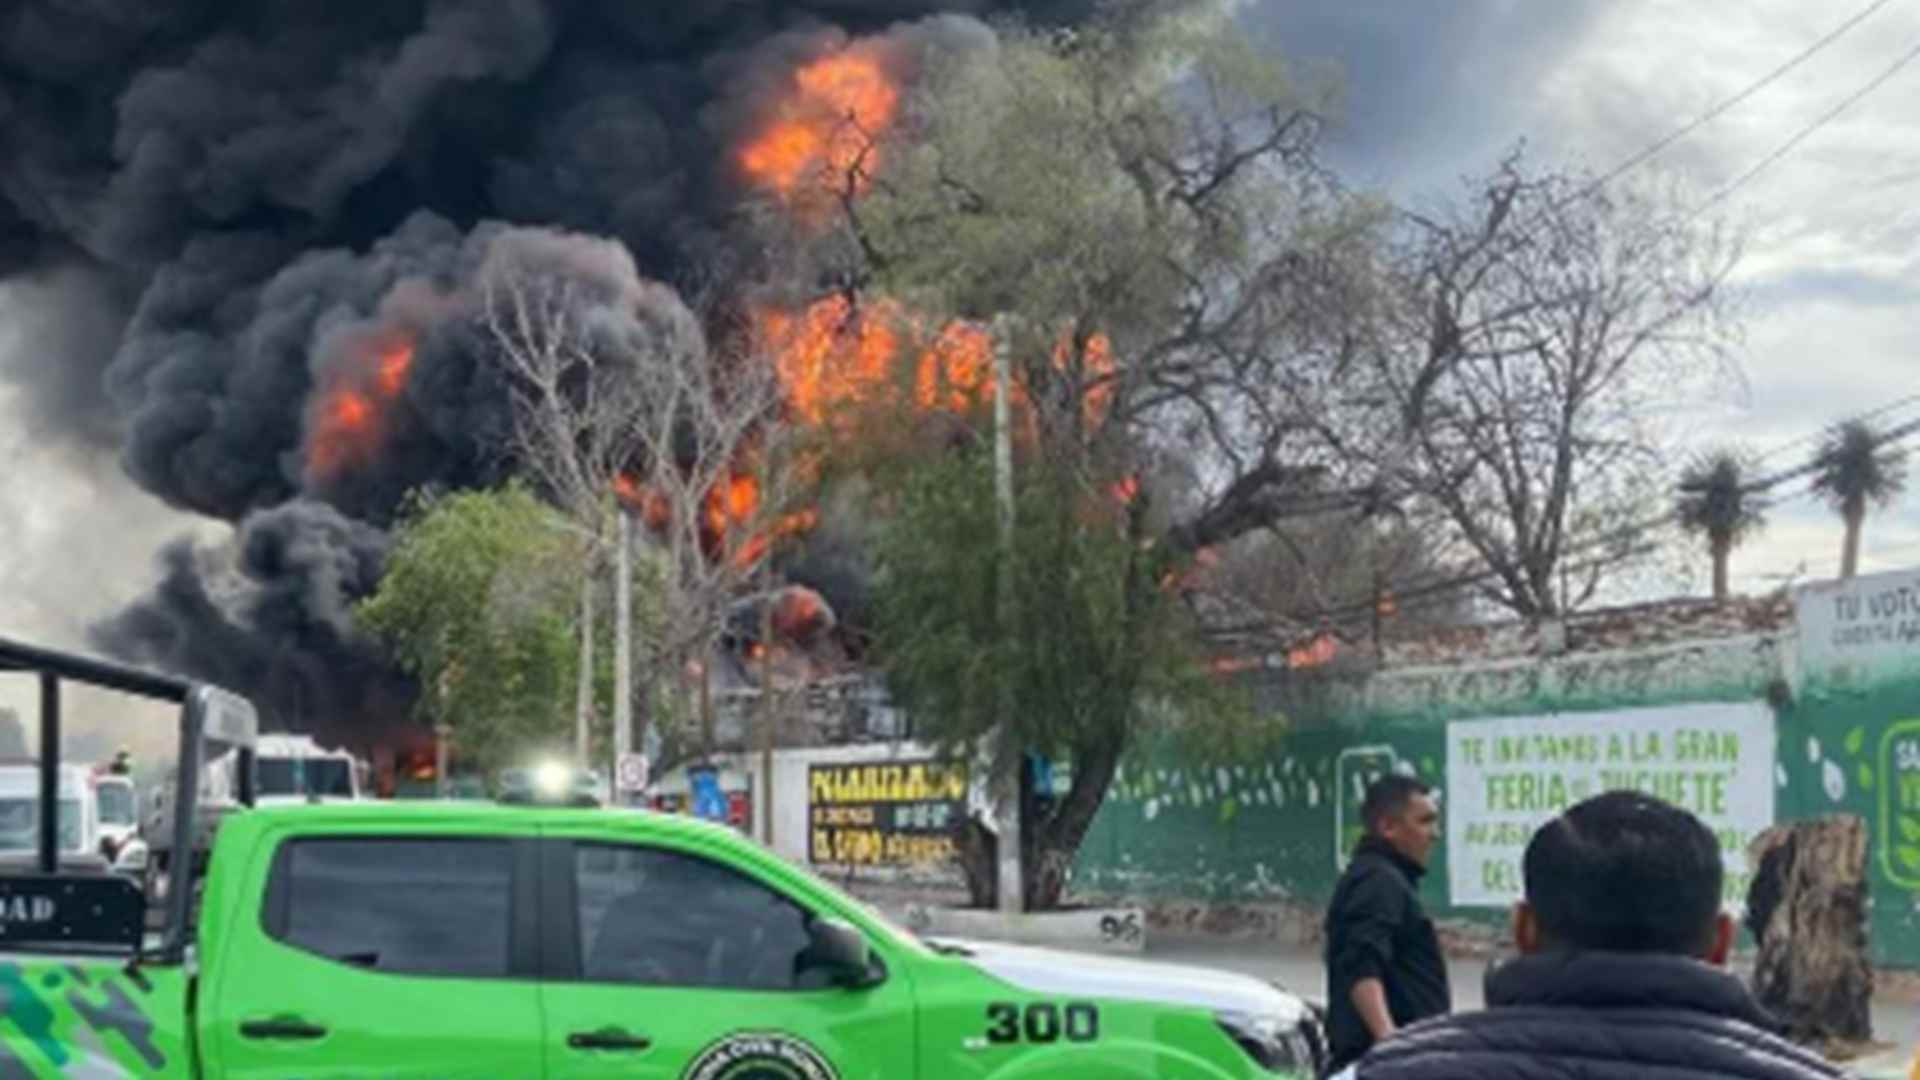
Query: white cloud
x=1833 y=260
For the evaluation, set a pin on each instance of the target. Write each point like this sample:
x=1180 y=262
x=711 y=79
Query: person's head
x=1400 y=810
x=1624 y=872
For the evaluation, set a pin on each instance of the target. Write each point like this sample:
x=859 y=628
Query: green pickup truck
x=544 y=939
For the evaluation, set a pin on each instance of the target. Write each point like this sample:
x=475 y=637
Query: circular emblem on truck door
x=760 y=1055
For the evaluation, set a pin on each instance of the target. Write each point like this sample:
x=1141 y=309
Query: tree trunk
x=977 y=849
x=1850 y=554
x=1807 y=909
x=1721 y=549
x=1055 y=841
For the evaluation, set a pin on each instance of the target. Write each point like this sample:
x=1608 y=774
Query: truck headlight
x=1274 y=1044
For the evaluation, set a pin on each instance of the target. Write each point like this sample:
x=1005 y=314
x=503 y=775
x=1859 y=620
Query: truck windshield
x=116 y=804
x=304 y=776
x=20 y=824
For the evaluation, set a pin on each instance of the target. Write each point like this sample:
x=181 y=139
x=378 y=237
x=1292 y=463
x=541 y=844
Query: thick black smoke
x=271 y=614
x=293 y=191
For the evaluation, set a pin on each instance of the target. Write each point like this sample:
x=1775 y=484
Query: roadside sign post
x=630 y=775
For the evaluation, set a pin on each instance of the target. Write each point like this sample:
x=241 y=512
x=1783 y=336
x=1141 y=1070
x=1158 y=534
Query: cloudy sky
x=1438 y=89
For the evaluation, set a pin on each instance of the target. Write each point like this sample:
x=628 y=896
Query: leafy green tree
x=1134 y=210
x=479 y=603
x=1718 y=502
x=1851 y=469
x=1094 y=653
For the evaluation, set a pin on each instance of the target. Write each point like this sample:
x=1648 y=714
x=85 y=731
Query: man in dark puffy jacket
x=1621 y=973
x=1384 y=966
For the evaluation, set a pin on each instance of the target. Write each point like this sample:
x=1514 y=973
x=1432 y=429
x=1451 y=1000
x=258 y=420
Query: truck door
x=663 y=964
x=390 y=955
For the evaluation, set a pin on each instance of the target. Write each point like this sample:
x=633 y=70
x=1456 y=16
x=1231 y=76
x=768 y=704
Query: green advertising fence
x=1711 y=726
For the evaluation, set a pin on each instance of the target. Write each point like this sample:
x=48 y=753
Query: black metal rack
x=207 y=714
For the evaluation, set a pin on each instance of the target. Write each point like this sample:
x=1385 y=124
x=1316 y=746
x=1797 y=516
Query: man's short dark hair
x=1625 y=872
x=1388 y=796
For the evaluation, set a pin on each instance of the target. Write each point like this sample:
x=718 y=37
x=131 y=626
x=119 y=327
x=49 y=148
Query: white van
x=79 y=820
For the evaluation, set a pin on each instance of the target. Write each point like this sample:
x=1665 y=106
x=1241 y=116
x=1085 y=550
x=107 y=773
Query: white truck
x=78 y=818
x=287 y=769
x=118 y=808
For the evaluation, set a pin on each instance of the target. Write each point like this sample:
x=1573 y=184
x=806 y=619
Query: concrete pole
x=1012 y=893
x=583 y=694
x=767 y=715
x=622 y=644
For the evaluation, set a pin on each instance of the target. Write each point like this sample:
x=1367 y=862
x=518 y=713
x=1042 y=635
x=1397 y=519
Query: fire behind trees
x=303 y=199
x=297 y=199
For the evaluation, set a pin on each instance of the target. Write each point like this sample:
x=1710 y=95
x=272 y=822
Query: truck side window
x=660 y=918
x=404 y=906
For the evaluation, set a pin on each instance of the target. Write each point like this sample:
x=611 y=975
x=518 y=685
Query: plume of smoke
x=269 y=614
x=289 y=189
x=59 y=327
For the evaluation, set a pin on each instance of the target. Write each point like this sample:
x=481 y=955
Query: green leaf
x=1910 y=829
x=1228 y=809
x=1865 y=776
x=1855 y=738
x=1910 y=855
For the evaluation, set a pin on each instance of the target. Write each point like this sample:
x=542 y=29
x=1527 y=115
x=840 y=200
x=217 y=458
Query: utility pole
x=1012 y=894
x=583 y=696
x=764 y=796
x=622 y=645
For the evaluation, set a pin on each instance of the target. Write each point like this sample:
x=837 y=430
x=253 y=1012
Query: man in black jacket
x=1384 y=968
x=1622 y=945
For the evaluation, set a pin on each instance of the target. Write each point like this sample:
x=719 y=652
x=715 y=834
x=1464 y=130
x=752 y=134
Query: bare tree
x=1516 y=364
x=624 y=409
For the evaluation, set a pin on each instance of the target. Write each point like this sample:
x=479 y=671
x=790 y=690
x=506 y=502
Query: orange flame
x=800 y=614
x=834 y=355
x=732 y=503
x=756 y=546
x=958 y=370
x=395 y=361
x=345 y=425
x=831 y=354
x=728 y=506
x=826 y=129
x=651 y=504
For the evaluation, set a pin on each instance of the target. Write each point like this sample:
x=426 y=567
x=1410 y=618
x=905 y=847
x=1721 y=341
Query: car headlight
x=1276 y=1045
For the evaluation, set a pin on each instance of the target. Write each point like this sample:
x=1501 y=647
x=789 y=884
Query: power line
x=1815 y=434
x=1726 y=104
x=1801 y=136
x=1431 y=589
x=1807 y=468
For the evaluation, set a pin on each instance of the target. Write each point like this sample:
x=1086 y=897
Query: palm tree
x=1851 y=469
x=1718 y=501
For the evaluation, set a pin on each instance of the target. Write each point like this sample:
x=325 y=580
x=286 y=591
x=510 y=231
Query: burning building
x=281 y=208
